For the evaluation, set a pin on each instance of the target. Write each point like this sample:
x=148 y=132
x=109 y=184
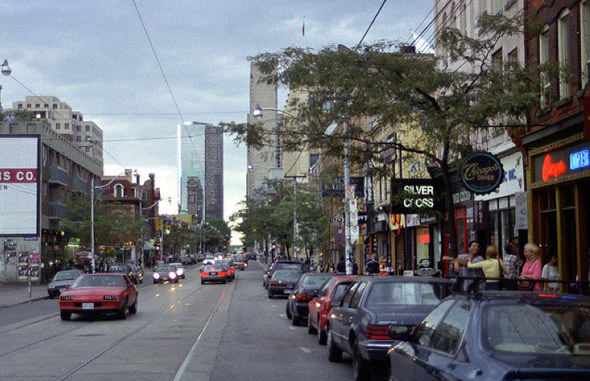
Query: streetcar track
x=97 y=355
x=28 y=324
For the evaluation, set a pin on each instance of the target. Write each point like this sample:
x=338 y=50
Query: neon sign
x=580 y=159
x=551 y=169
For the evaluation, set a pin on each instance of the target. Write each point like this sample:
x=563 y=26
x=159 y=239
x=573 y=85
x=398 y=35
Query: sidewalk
x=12 y=294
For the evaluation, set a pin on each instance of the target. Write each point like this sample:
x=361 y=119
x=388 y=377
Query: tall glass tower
x=200 y=168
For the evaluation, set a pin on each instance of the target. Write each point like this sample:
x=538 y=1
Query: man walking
x=372 y=266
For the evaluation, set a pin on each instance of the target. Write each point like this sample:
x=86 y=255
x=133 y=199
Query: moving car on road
x=180 y=274
x=213 y=273
x=358 y=325
x=320 y=307
x=491 y=335
x=164 y=273
x=99 y=294
x=305 y=289
x=61 y=281
x=280 y=265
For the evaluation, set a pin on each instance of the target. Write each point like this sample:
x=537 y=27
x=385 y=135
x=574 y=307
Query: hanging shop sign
x=476 y=215
x=513 y=180
x=416 y=196
x=562 y=163
x=481 y=172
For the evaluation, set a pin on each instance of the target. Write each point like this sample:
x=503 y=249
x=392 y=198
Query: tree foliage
x=398 y=90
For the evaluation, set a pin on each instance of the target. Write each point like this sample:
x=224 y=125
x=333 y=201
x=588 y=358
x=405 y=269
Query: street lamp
x=6 y=71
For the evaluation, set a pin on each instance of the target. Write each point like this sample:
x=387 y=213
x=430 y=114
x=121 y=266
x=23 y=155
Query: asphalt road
x=184 y=331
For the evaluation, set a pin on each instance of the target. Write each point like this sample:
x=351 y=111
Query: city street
x=184 y=331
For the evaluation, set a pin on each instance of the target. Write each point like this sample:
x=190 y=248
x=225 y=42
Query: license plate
x=87 y=306
x=213 y=273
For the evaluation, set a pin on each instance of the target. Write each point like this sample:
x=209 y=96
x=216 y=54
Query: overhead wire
x=370 y=25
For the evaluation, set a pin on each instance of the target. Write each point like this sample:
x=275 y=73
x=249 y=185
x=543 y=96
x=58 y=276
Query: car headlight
x=172 y=275
x=50 y=285
x=156 y=276
x=110 y=297
x=66 y=297
x=179 y=271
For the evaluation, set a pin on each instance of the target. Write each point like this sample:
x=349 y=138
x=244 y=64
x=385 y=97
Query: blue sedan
x=505 y=335
x=358 y=325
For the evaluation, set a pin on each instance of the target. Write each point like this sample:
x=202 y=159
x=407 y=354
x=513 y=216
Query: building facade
x=61 y=169
x=200 y=165
x=68 y=123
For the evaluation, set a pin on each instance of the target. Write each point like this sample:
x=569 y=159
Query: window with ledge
x=584 y=40
x=544 y=59
x=119 y=191
x=563 y=53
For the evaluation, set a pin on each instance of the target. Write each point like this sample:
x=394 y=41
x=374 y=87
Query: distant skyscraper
x=200 y=165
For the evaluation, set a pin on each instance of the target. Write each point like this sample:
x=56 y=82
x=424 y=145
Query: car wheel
x=360 y=367
x=202 y=282
x=133 y=308
x=334 y=353
x=294 y=319
x=123 y=311
x=288 y=311
x=322 y=337
x=65 y=315
x=269 y=295
x=310 y=329
x=155 y=282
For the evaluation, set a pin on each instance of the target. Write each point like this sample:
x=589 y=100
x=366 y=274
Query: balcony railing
x=58 y=175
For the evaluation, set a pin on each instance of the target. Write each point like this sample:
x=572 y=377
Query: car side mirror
x=399 y=332
x=336 y=303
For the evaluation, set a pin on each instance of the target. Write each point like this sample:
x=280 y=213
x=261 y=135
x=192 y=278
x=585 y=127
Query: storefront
x=559 y=184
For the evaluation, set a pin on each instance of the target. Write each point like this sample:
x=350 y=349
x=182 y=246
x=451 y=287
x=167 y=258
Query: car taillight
x=303 y=298
x=222 y=273
x=274 y=283
x=204 y=274
x=377 y=332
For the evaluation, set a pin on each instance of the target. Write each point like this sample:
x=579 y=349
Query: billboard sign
x=19 y=186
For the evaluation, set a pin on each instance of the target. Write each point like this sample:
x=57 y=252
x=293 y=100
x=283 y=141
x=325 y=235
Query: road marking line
x=292 y=328
x=306 y=350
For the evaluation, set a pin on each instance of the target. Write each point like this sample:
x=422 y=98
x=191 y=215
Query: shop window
x=567 y=197
x=544 y=59
x=547 y=200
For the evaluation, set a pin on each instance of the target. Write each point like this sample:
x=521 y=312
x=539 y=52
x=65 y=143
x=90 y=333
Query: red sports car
x=319 y=307
x=99 y=294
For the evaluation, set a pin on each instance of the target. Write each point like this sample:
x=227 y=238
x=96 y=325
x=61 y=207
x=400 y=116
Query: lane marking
x=306 y=350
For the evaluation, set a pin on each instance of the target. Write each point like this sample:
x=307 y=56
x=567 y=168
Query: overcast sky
x=97 y=57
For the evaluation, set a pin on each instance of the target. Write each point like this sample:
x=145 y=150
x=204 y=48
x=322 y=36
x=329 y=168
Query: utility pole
x=347 y=230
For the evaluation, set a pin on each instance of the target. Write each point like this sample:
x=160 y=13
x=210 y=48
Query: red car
x=319 y=307
x=99 y=294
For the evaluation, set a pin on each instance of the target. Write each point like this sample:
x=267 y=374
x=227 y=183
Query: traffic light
x=167 y=231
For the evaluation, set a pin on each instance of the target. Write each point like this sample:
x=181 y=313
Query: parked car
x=165 y=273
x=358 y=325
x=491 y=335
x=280 y=265
x=61 y=281
x=99 y=294
x=308 y=285
x=282 y=282
x=213 y=273
x=180 y=273
x=320 y=307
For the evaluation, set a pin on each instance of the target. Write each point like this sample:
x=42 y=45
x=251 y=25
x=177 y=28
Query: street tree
x=400 y=90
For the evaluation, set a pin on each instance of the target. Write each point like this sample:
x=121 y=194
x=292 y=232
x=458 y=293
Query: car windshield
x=210 y=268
x=118 y=269
x=403 y=293
x=290 y=276
x=67 y=275
x=314 y=280
x=288 y=266
x=100 y=281
x=528 y=328
x=163 y=269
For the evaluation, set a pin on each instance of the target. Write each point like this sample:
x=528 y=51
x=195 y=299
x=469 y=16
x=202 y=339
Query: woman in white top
x=550 y=273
